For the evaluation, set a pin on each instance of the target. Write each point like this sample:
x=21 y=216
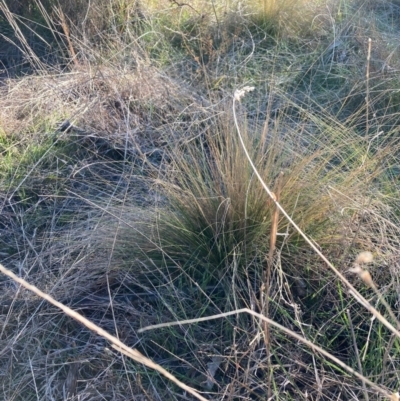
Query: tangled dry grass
x=125 y=195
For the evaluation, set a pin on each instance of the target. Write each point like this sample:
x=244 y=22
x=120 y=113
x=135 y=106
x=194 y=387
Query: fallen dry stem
x=117 y=344
x=291 y=333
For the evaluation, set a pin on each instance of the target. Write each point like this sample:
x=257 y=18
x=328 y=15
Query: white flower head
x=239 y=93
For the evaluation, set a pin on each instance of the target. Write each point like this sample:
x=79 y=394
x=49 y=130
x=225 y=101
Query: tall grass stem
x=237 y=96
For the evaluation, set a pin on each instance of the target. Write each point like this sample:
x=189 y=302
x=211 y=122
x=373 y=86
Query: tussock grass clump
x=214 y=187
x=206 y=236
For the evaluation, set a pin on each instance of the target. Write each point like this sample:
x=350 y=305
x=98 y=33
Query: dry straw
x=116 y=343
x=314 y=347
x=237 y=97
x=363 y=258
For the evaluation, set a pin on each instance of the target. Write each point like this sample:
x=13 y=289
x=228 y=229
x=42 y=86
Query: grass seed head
x=364 y=257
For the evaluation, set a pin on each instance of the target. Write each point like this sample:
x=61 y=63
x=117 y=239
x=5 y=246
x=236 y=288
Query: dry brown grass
x=146 y=211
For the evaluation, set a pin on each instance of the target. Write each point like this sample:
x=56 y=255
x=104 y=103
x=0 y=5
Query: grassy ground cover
x=126 y=194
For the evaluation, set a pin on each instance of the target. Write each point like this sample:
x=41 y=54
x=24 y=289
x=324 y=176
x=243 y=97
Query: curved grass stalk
x=237 y=96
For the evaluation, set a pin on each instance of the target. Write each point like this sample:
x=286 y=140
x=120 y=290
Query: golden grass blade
x=267 y=278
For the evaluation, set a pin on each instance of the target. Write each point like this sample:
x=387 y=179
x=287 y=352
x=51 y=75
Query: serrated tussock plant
x=217 y=209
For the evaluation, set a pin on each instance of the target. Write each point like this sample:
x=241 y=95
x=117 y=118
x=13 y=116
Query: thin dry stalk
x=267 y=279
x=367 y=94
x=116 y=343
x=315 y=348
x=26 y=48
x=238 y=95
x=65 y=28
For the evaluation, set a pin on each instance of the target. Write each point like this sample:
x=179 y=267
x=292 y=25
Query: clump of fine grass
x=217 y=202
x=214 y=222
